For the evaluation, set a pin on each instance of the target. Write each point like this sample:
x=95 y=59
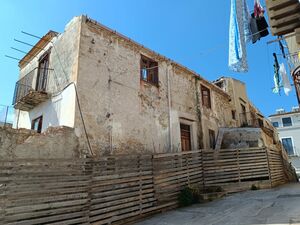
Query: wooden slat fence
x=120 y=189
x=49 y=191
x=234 y=166
x=173 y=172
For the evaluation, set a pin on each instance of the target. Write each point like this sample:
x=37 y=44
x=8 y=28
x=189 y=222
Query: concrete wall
x=124 y=114
x=242 y=138
x=59 y=142
x=60 y=109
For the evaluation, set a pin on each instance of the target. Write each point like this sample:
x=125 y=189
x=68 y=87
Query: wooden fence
x=121 y=189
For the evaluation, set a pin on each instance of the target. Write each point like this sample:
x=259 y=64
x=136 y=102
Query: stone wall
x=58 y=142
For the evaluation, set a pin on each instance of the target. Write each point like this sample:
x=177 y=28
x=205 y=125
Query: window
x=288 y=145
x=185 y=132
x=275 y=124
x=206 y=101
x=243 y=116
x=212 y=139
x=37 y=124
x=233 y=114
x=42 y=75
x=149 y=70
x=287 y=121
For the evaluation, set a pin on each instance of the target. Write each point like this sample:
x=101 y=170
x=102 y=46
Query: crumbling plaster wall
x=124 y=114
x=58 y=142
x=60 y=109
x=242 y=138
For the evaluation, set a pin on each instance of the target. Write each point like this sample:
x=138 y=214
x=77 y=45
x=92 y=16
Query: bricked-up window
x=149 y=70
x=206 y=101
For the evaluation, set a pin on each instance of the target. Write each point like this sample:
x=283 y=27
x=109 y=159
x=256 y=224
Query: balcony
x=32 y=89
x=284 y=16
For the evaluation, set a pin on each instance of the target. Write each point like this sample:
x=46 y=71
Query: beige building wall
x=125 y=114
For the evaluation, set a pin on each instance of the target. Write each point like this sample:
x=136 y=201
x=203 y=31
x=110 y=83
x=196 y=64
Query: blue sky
x=193 y=33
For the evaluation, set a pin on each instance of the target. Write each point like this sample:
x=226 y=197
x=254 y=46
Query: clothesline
x=257 y=32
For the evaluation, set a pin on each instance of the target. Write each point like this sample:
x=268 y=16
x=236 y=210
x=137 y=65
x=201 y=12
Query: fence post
x=269 y=168
x=202 y=167
x=238 y=163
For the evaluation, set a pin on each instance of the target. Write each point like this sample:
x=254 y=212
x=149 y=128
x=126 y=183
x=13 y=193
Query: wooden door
x=185 y=131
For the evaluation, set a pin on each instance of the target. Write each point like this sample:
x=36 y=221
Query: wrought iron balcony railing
x=32 y=89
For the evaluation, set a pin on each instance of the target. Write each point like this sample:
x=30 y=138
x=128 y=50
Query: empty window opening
x=212 y=139
x=185 y=131
x=149 y=70
x=233 y=114
x=206 y=101
x=37 y=124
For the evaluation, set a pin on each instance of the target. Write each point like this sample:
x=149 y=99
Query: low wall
x=58 y=142
x=123 y=188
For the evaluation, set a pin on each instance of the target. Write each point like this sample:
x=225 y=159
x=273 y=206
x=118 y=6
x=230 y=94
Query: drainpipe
x=169 y=110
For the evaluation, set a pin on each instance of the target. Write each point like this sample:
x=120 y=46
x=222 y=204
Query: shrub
x=187 y=197
x=254 y=187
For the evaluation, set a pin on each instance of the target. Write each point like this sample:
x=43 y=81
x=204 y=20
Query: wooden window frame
x=149 y=71
x=43 y=73
x=188 y=133
x=206 y=96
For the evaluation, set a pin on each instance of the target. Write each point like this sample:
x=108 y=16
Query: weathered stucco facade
x=118 y=111
x=124 y=113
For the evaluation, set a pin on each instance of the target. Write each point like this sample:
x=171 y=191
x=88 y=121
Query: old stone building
x=120 y=96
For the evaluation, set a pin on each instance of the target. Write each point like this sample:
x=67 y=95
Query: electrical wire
x=75 y=87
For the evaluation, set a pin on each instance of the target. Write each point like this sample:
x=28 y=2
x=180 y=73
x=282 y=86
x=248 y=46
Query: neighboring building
x=130 y=98
x=288 y=126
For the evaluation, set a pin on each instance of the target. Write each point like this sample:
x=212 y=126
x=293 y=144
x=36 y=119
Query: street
x=279 y=206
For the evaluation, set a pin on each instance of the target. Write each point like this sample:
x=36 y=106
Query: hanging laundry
x=246 y=22
x=258 y=23
x=262 y=26
x=258 y=9
x=237 y=60
x=285 y=80
x=254 y=30
x=282 y=48
x=276 y=89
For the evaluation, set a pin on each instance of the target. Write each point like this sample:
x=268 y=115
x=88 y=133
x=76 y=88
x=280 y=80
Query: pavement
x=278 y=206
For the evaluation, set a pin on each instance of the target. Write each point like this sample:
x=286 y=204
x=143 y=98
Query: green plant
x=254 y=187
x=187 y=197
